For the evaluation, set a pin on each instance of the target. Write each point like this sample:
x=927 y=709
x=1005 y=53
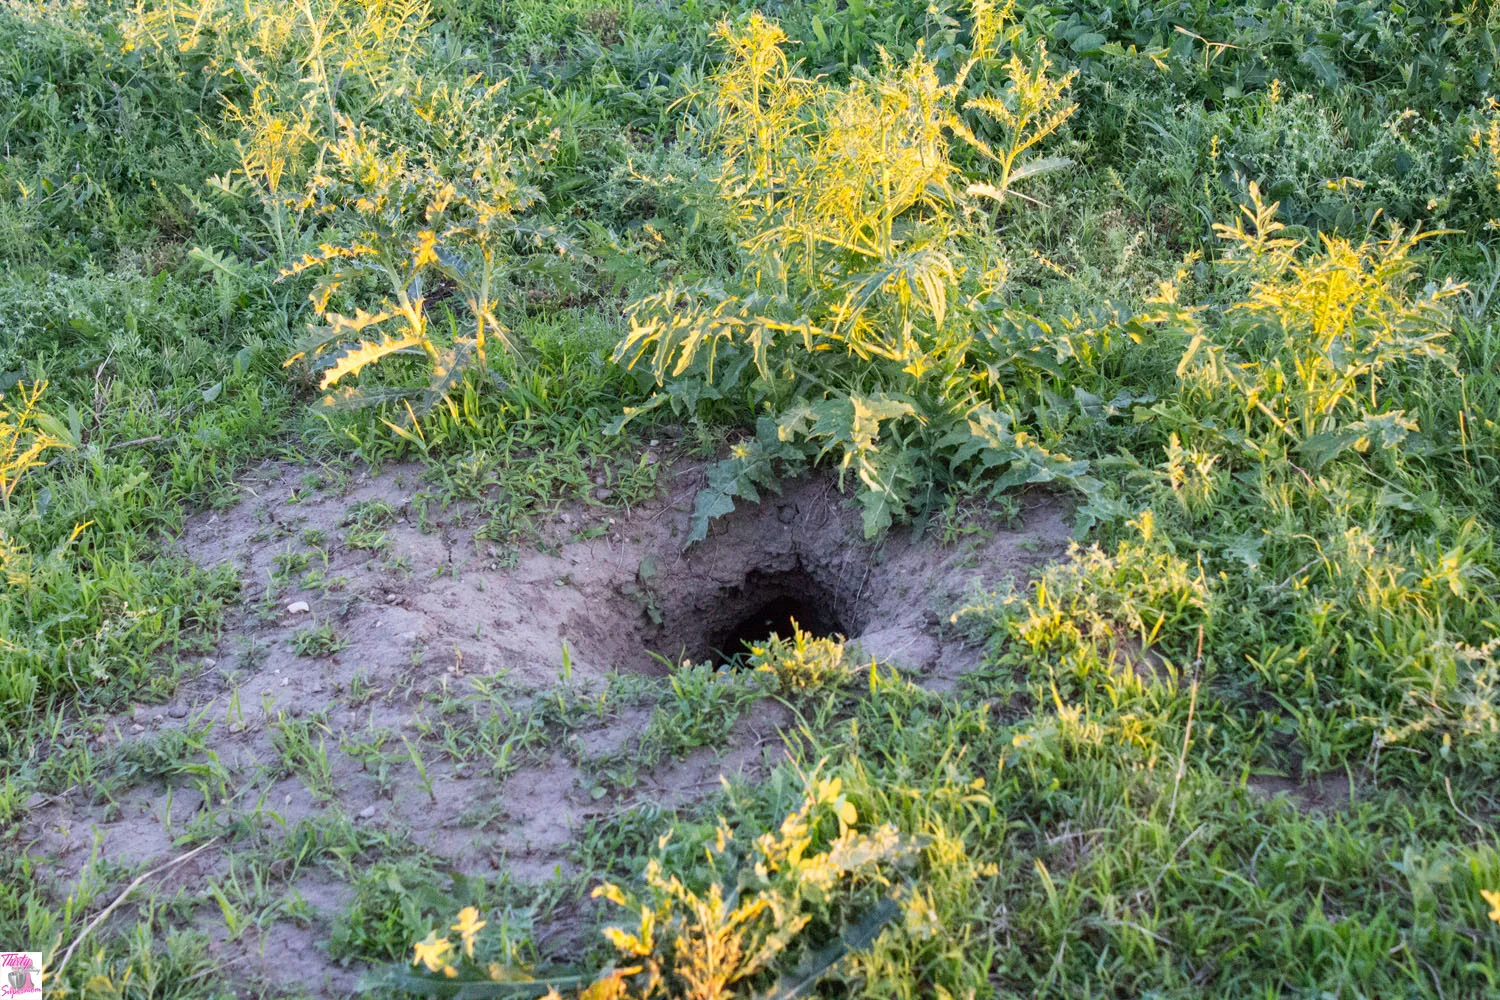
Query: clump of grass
x=699 y=708
x=318 y=640
x=302 y=747
x=396 y=901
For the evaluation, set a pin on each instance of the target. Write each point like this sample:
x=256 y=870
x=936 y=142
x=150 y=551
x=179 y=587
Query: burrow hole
x=766 y=604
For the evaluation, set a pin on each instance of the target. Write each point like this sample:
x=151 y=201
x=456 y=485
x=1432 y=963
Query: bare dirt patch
x=1324 y=793
x=389 y=667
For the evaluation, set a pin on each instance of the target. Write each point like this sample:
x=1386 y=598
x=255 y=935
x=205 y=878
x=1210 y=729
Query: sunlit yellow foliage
x=801 y=661
x=26 y=433
x=701 y=944
x=1321 y=331
x=847 y=198
x=415 y=217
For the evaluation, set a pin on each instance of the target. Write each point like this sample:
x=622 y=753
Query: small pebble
x=603 y=494
x=137 y=728
x=178 y=711
x=367 y=812
x=209 y=663
x=298 y=608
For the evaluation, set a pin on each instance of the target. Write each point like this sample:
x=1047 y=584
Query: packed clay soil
x=606 y=591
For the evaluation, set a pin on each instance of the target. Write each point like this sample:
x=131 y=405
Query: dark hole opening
x=776 y=600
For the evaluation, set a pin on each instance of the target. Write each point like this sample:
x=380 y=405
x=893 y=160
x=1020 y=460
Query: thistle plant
x=1318 y=334
x=286 y=77
x=1033 y=108
x=867 y=255
x=422 y=222
x=363 y=169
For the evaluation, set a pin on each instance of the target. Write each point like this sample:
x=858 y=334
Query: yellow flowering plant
x=817 y=886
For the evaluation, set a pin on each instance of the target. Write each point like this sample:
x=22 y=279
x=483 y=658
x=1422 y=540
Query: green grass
x=1287 y=563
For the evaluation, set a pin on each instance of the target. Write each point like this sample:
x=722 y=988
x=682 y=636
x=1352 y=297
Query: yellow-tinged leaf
x=610 y=986
x=611 y=892
x=468 y=927
x=365 y=353
x=424 y=252
x=432 y=952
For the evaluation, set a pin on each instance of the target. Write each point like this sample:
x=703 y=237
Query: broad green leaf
x=629 y=413
x=711 y=502
x=1317 y=450
x=1088 y=42
x=353 y=397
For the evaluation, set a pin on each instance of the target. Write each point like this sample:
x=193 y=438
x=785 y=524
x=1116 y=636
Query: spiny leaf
x=339 y=327
x=366 y=352
x=1045 y=165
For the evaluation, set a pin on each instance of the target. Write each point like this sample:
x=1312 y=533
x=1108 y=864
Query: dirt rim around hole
x=422 y=607
x=888 y=598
